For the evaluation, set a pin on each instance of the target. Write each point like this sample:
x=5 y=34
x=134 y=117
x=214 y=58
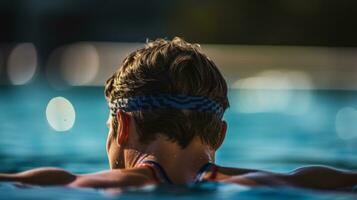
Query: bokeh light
x=346 y=123
x=53 y=70
x=79 y=64
x=60 y=114
x=22 y=63
x=276 y=80
x=271 y=91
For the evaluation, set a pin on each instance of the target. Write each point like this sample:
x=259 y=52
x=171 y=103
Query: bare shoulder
x=315 y=177
x=231 y=171
x=113 y=178
x=249 y=177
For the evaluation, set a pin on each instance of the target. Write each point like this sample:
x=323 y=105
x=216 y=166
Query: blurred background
x=291 y=66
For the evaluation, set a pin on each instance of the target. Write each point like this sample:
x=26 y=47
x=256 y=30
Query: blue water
x=278 y=140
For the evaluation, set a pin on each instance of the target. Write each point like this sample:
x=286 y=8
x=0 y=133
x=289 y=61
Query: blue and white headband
x=166 y=101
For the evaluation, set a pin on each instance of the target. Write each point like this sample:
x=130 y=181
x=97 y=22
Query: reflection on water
x=272 y=140
x=194 y=192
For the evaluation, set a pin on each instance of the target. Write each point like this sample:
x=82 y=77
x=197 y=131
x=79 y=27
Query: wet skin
x=315 y=177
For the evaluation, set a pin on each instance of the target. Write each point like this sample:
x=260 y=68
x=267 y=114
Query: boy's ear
x=222 y=134
x=123 y=128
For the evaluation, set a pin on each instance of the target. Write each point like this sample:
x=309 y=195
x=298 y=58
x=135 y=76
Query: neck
x=181 y=165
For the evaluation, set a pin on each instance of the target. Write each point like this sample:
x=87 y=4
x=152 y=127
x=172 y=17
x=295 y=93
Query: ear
x=123 y=128
x=222 y=134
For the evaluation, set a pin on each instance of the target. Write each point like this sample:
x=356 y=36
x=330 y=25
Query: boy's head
x=171 y=67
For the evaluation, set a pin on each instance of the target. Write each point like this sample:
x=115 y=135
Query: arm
x=40 y=176
x=60 y=177
x=313 y=177
x=318 y=177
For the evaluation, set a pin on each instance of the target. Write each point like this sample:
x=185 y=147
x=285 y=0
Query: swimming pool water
x=202 y=191
x=272 y=130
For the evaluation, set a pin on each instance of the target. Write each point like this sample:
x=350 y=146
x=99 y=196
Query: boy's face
x=114 y=151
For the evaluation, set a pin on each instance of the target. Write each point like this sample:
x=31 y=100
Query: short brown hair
x=171 y=67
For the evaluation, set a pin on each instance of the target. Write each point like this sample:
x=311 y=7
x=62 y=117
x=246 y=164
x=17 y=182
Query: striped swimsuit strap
x=160 y=175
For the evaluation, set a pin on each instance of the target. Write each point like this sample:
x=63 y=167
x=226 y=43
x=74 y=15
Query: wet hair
x=171 y=67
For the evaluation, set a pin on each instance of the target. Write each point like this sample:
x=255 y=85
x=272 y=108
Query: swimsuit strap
x=154 y=165
x=202 y=172
x=152 y=170
x=163 y=177
x=214 y=173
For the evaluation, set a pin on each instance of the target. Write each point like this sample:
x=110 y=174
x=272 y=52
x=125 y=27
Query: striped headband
x=166 y=101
